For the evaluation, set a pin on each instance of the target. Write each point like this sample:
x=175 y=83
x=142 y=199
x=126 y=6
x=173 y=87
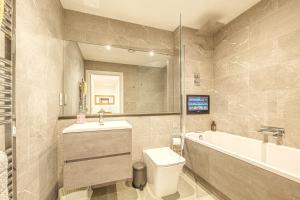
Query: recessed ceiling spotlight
x=108 y=47
x=151 y=53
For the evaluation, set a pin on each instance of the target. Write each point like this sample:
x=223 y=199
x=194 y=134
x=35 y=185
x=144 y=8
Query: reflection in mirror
x=119 y=80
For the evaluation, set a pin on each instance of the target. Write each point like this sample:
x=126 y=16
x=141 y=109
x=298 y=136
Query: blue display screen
x=198 y=104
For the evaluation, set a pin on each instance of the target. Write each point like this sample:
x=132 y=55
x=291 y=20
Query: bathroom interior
x=150 y=100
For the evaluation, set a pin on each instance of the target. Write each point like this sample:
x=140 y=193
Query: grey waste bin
x=139 y=175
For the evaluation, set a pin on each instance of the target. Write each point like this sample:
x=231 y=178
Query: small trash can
x=139 y=175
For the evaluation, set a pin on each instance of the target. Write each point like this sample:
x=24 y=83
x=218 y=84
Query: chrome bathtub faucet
x=275 y=132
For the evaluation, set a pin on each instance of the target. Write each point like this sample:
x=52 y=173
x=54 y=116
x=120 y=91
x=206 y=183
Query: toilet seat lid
x=164 y=156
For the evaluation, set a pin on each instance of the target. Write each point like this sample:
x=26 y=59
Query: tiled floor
x=188 y=189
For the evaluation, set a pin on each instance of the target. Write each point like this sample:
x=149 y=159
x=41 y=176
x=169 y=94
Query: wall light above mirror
x=119 y=80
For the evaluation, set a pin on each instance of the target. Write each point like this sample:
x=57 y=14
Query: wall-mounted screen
x=197 y=104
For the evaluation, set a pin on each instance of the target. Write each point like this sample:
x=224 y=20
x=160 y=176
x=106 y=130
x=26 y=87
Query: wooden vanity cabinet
x=96 y=157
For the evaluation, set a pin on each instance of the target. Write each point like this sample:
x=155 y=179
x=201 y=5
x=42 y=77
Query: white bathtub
x=282 y=160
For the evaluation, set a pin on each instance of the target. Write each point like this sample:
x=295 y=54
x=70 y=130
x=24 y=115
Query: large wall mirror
x=119 y=80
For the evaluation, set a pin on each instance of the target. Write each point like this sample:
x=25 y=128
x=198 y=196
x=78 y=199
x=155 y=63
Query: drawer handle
x=97 y=157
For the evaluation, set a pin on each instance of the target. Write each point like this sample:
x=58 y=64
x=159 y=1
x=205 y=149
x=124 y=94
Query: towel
x=3 y=176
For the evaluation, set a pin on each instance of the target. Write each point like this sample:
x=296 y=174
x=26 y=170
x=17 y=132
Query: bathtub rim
x=270 y=168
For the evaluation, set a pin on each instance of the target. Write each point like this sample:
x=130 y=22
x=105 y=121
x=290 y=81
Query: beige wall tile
x=198 y=56
x=289 y=46
x=39 y=69
x=283 y=20
x=232 y=85
x=257 y=82
x=234 y=43
x=100 y=30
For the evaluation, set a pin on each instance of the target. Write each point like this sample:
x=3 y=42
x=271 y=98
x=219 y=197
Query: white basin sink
x=95 y=126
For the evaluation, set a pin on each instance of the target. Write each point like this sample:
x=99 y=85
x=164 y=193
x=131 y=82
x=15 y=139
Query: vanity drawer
x=96 y=143
x=97 y=171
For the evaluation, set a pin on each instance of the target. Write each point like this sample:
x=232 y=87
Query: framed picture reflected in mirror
x=104 y=100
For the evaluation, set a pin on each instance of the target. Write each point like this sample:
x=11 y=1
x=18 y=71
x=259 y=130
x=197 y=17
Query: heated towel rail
x=7 y=72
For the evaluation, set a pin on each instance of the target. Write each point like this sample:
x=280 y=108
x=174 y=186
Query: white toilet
x=163 y=169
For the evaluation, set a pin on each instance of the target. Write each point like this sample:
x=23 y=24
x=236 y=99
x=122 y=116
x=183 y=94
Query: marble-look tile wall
x=73 y=74
x=147 y=132
x=39 y=71
x=198 y=58
x=100 y=30
x=257 y=70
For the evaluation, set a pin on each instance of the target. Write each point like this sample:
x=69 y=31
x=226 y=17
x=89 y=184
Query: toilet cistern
x=163 y=170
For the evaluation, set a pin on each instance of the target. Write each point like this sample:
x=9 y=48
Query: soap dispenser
x=213 y=126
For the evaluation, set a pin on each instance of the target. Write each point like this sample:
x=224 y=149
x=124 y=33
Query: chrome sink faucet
x=101 y=116
x=276 y=132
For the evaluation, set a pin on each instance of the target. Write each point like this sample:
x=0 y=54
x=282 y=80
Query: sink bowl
x=95 y=126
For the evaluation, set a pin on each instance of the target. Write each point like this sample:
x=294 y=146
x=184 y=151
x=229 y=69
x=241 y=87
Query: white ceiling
x=122 y=56
x=163 y=14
